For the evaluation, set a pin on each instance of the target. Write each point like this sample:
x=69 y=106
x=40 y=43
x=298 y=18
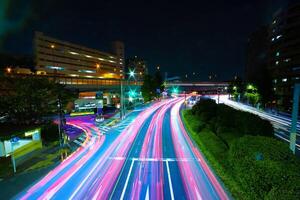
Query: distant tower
x=118 y=49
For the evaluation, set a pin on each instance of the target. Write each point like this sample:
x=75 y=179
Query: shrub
x=263 y=166
x=222 y=119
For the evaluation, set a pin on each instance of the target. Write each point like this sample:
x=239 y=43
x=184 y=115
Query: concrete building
x=284 y=54
x=61 y=58
x=136 y=65
x=256 y=71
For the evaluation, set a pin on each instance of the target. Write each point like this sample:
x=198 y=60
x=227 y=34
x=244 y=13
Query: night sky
x=185 y=37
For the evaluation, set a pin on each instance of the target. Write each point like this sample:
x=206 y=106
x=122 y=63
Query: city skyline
x=174 y=38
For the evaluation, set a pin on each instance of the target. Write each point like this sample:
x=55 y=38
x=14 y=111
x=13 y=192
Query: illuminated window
x=88 y=56
x=72 y=52
x=287 y=60
x=55 y=67
x=284 y=80
x=274 y=22
x=277 y=62
x=101 y=59
x=275 y=81
x=273 y=39
x=277 y=53
x=278 y=36
x=87 y=71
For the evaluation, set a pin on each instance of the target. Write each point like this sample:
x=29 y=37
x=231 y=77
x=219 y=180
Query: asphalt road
x=150 y=158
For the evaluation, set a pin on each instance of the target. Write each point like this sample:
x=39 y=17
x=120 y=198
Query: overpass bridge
x=200 y=87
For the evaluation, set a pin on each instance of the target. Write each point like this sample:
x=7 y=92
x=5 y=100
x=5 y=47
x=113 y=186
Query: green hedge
x=222 y=119
x=241 y=149
x=265 y=168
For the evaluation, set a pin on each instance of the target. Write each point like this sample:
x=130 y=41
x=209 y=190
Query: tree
x=252 y=94
x=27 y=99
x=152 y=86
x=236 y=88
x=158 y=83
x=147 y=88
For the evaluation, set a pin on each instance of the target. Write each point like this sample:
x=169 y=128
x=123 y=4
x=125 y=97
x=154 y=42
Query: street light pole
x=293 y=133
x=121 y=100
x=60 y=122
x=12 y=157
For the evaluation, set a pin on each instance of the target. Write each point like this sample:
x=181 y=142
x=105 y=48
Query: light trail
x=152 y=148
x=198 y=179
x=131 y=164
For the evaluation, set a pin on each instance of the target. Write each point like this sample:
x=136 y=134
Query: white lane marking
x=127 y=179
x=78 y=143
x=170 y=181
x=156 y=159
x=147 y=194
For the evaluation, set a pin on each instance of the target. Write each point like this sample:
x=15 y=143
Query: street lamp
x=131 y=73
x=130 y=98
x=8 y=70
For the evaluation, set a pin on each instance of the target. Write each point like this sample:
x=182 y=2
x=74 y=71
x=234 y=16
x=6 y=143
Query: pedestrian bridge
x=200 y=87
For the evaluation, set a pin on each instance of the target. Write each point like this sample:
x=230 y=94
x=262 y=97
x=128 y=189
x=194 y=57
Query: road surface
x=151 y=158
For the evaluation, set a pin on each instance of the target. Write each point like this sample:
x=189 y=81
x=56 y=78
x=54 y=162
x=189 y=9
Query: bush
x=239 y=146
x=264 y=166
x=222 y=119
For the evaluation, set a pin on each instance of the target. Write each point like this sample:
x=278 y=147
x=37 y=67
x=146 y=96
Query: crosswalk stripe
x=77 y=142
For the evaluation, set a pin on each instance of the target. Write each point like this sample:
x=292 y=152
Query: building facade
x=256 y=71
x=60 y=58
x=137 y=66
x=284 y=54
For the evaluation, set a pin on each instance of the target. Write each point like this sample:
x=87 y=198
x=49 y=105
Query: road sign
x=14 y=139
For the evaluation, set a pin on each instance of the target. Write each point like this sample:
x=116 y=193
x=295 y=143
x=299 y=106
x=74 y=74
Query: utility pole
x=184 y=99
x=293 y=132
x=121 y=99
x=60 y=121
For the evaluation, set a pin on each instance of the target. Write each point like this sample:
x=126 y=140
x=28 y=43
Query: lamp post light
x=12 y=142
x=122 y=100
x=60 y=121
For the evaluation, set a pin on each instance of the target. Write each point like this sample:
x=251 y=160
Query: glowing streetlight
x=250 y=87
x=175 y=90
x=97 y=66
x=8 y=70
x=131 y=73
